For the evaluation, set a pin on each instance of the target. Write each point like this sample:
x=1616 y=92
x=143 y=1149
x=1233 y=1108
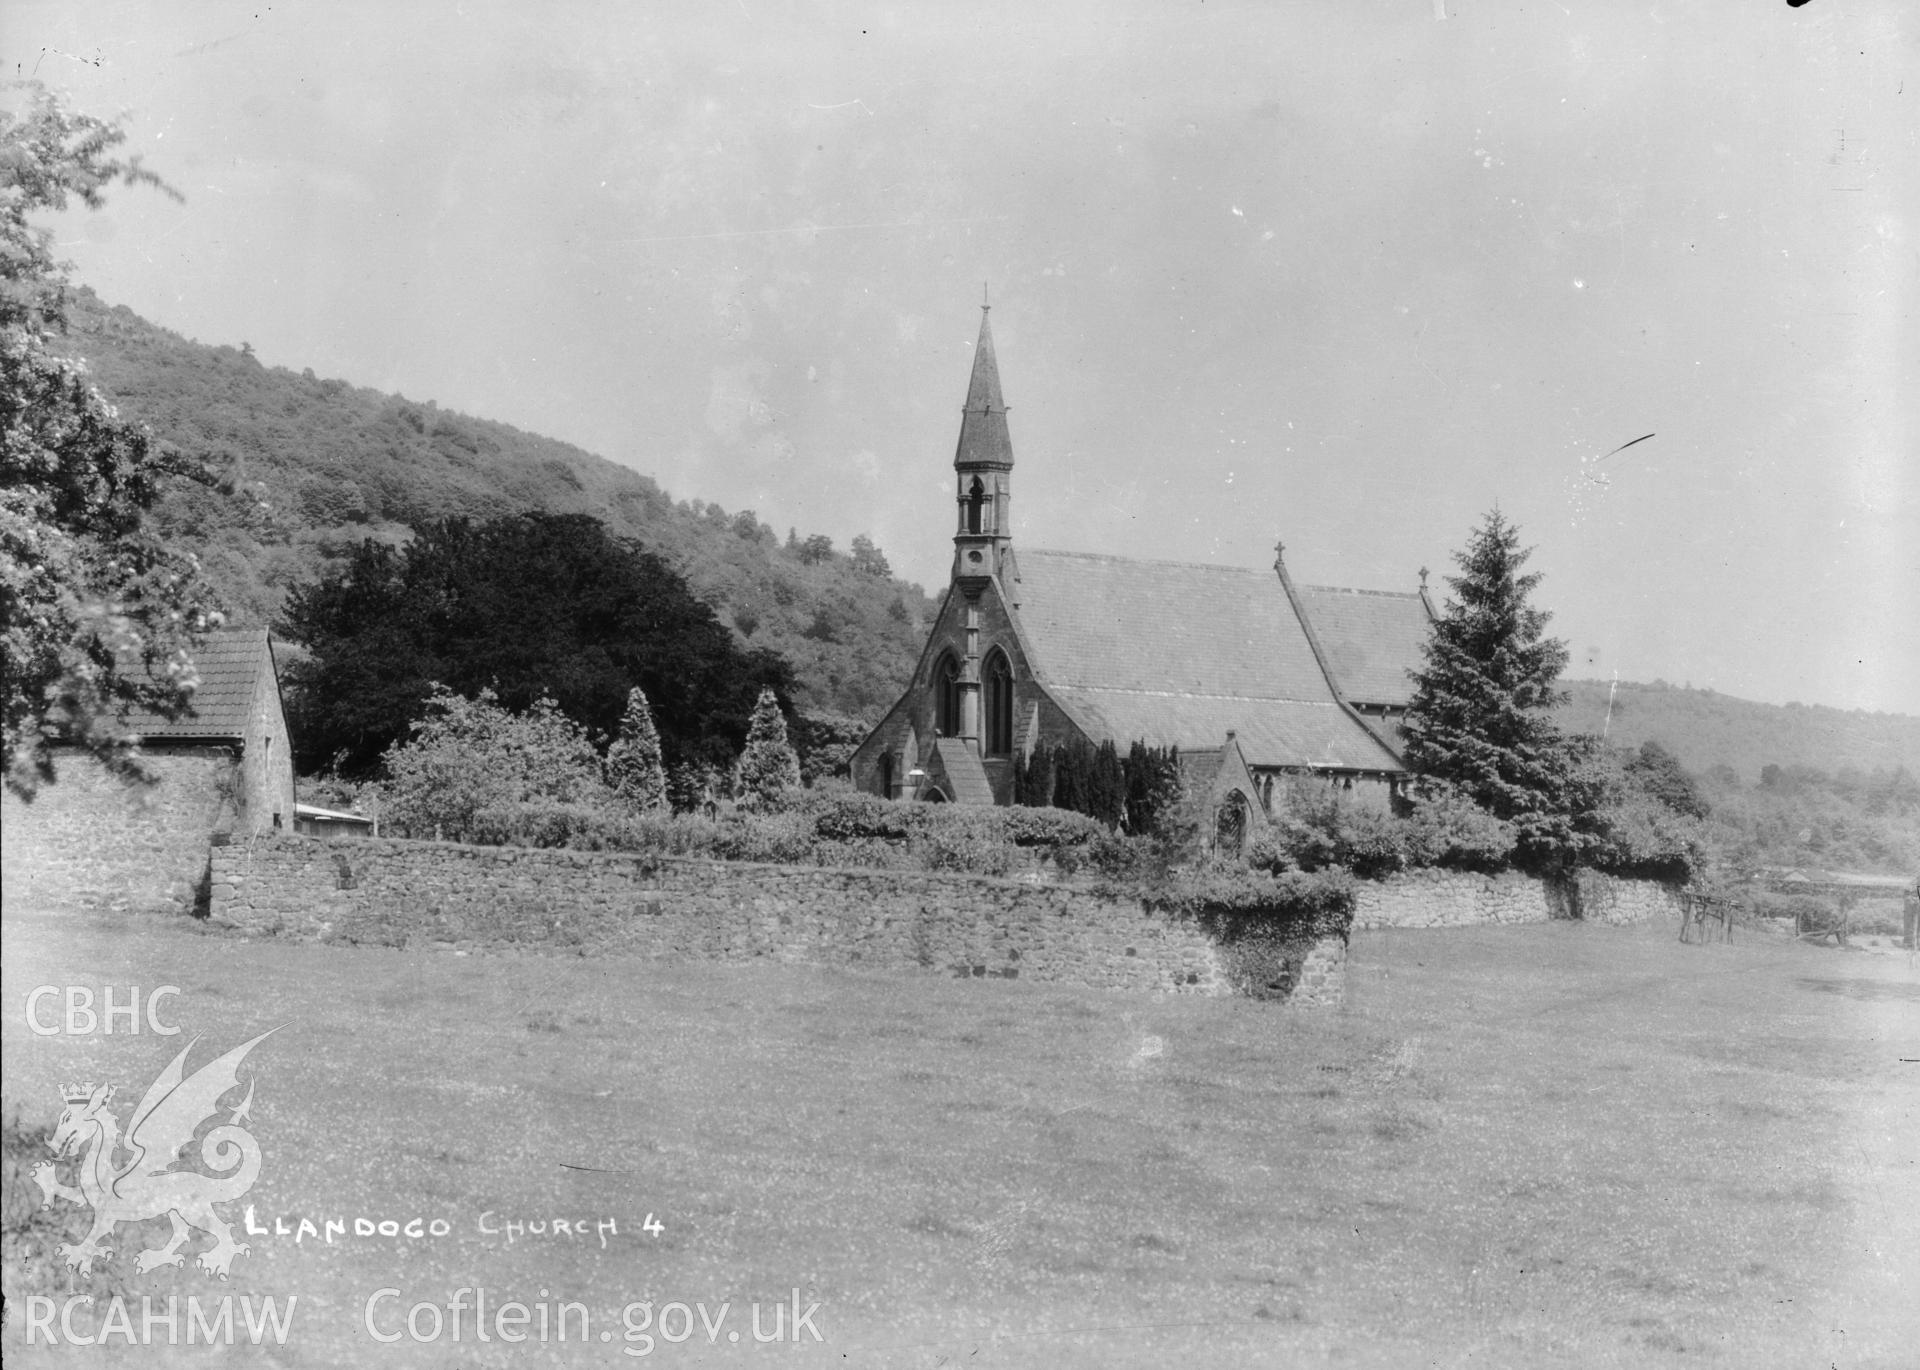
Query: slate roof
x=965 y=776
x=230 y=663
x=1175 y=653
x=1372 y=638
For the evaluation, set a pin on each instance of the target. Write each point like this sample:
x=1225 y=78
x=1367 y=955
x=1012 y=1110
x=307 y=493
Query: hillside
x=320 y=464
x=1705 y=730
x=1790 y=785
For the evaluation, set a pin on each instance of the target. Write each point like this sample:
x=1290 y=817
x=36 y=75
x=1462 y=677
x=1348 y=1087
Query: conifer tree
x=1107 y=786
x=1072 y=776
x=634 y=768
x=768 y=771
x=1481 y=714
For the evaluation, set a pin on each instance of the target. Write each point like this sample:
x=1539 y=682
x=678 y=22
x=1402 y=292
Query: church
x=1252 y=676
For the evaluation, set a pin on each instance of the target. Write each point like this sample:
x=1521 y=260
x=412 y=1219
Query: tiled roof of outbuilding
x=1372 y=638
x=1174 y=653
x=230 y=663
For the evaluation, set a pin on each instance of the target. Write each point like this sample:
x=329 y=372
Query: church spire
x=983 y=423
x=983 y=469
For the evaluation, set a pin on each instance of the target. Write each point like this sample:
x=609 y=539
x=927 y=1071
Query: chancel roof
x=1372 y=638
x=1179 y=654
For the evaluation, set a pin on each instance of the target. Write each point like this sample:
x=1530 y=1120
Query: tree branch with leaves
x=97 y=616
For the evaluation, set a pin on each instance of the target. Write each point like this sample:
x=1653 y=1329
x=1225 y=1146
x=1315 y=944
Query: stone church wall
x=916 y=706
x=401 y=892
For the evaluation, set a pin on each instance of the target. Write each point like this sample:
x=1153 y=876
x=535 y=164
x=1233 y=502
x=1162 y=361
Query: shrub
x=1236 y=903
x=1320 y=828
x=1446 y=828
x=550 y=823
x=1649 y=841
x=941 y=848
x=469 y=755
x=779 y=838
x=845 y=817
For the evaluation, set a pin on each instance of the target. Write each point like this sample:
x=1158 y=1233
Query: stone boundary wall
x=400 y=892
x=1449 y=899
x=92 y=840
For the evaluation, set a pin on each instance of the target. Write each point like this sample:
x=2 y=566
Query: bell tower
x=983 y=471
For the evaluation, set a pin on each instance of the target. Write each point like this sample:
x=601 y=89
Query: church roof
x=230 y=662
x=984 y=439
x=1372 y=638
x=1174 y=653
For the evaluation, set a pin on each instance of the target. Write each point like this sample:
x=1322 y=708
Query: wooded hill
x=1706 y=729
x=1789 y=785
x=318 y=465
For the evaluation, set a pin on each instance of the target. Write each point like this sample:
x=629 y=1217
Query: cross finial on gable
x=1423 y=577
x=1279 y=554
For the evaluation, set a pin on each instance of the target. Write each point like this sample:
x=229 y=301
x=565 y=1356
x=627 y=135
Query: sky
x=1343 y=274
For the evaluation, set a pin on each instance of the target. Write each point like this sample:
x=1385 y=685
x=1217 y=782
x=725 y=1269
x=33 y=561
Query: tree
x=634 y=769
x=468 y=756
x=769 y=771
x=1659 y=773
x=816 y=549
x=868 y=558
x=527 y=605
x=97 y=617
x=1154 y=785
x=1481 y=714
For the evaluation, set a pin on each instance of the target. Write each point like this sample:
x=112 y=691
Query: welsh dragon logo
x=146 y=1185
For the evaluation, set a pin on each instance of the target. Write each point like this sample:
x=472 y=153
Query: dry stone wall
x=400 y=892
x=1445 y=899
x=384 y=890
x=93 y=840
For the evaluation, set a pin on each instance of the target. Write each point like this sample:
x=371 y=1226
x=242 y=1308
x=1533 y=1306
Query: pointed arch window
x=946 y=695
x=1230 y=824
x=998 y=689
x=976 y=506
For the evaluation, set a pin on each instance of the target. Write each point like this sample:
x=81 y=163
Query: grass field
x=1545 y=1145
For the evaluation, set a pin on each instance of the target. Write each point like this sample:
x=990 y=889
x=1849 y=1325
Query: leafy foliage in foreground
x=319 y=465
x=97 y=612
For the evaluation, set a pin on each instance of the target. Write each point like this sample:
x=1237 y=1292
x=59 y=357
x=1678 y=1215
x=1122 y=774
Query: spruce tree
x=634 y=768
x=1481 y=717
x=768 y=771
